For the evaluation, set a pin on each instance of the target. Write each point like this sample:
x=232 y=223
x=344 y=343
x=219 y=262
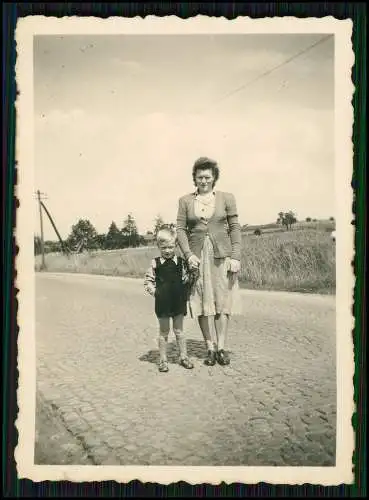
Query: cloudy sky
x=119 y=121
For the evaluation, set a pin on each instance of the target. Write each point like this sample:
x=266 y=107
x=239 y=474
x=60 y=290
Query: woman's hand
x=234 y=266
x=193 y=262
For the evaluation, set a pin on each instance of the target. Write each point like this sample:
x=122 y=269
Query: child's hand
x=193 y=262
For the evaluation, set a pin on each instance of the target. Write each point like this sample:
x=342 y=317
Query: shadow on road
x=195 y=349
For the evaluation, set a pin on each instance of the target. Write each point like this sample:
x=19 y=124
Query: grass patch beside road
x=301 y=260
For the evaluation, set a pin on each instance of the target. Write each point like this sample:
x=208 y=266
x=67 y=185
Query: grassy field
x=301 y=260
x=321 y=225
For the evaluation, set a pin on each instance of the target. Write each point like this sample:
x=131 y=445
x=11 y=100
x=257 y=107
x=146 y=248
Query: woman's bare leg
x=205 y=329
x=206 y=333
x=221 y=328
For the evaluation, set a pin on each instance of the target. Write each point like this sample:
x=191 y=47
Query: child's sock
x=182 y=344
x=163 y=342
x=210 y=345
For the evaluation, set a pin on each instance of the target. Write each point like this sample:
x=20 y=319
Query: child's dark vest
x=170 y=294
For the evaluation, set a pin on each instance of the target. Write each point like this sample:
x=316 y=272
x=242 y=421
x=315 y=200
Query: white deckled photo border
x=31 y=26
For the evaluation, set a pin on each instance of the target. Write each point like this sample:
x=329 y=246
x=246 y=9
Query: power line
x=269 y=71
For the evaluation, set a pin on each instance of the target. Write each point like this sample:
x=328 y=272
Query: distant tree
x=290 y=219
x=101 y=241
x=315 y=220
x=331 y=219
x=287 y=219
x=129 y=232
x=308 y=219
x=52 y=246
x=257 y=232
x=113 y=237
x=280 y=218
x=159 y=221
x=83 y=236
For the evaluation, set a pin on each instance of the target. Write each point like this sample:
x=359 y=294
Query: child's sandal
x=163 y=366
x=186 y=363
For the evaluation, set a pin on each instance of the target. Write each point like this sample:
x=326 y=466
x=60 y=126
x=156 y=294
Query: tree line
x=84 y=236
x=286 y=219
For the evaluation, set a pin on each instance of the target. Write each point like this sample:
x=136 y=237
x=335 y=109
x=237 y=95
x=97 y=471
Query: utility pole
x=64 y=249
x=63 y=246
x=43 y=265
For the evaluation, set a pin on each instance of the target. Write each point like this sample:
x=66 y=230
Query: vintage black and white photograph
x=186 y=213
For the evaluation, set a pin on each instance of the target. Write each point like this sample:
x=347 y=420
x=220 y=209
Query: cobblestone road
x=96 y=366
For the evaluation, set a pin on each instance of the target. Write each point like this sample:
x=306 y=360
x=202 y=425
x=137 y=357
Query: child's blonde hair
x=166 y=232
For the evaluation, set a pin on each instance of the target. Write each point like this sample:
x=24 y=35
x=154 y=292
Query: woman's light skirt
x=216 y=290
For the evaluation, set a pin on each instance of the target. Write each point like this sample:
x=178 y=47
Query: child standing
x=166 y=280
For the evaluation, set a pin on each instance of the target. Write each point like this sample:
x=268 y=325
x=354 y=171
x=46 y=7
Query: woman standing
x=209 y=236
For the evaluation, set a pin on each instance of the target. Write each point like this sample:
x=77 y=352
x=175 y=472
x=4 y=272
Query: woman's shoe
x=222 y=357
x=186 y=363
x=211 y=359
x=163 y=366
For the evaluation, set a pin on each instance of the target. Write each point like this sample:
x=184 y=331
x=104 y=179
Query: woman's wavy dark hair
x=205 y=163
